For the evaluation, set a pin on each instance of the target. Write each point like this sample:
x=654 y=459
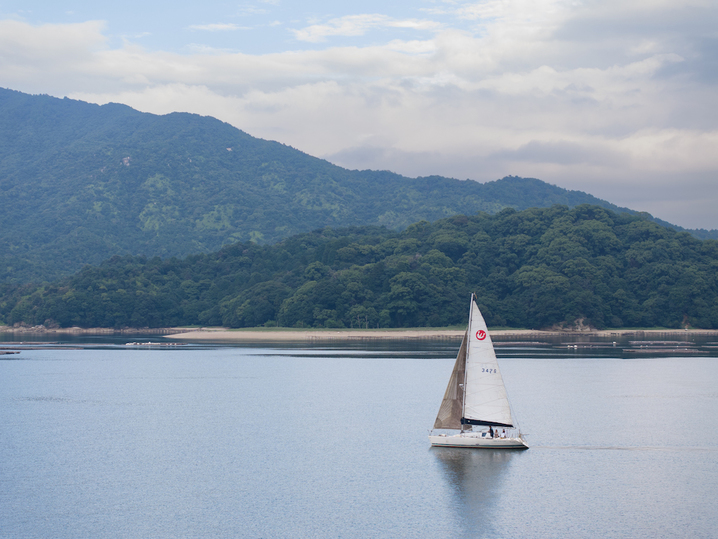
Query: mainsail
x=485 y=400
x=476 y=394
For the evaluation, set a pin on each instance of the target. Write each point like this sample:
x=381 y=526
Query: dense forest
x=536 y=268
x=80 y=183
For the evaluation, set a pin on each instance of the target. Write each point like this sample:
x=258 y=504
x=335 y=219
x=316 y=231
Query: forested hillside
x=80 y=183
x=534 y=269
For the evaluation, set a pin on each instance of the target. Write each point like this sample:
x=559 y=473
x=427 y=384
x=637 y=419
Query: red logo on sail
x=481 y=334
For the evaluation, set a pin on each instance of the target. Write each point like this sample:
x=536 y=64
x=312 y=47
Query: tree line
x=537 y=268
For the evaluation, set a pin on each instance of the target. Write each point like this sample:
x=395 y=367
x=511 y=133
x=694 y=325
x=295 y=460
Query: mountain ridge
x=81 y=182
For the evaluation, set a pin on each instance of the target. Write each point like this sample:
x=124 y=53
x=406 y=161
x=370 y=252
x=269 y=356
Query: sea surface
x=100 y=439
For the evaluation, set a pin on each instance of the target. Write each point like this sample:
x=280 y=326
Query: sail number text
x=484 y=369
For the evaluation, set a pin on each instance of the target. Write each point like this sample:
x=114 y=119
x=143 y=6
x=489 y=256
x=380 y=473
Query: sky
x=617 y=98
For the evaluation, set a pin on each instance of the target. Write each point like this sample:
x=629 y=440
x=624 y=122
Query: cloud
x=248 y=9
x=358 y=25
x=217 y=27
x=561 y=152
x=45 y=44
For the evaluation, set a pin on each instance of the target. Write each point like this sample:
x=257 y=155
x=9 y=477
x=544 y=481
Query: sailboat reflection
x=475 y=478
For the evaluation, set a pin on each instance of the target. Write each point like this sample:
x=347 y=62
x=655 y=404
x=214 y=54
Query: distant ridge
x=81 y=182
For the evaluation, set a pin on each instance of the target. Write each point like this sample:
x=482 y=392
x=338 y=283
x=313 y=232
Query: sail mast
x=468 y=332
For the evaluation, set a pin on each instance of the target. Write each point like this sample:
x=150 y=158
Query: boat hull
x=478 y=442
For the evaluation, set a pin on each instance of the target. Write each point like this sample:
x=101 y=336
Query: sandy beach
x=224 y=335
x=304 y=335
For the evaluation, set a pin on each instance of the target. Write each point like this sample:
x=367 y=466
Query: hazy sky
x=618 y=98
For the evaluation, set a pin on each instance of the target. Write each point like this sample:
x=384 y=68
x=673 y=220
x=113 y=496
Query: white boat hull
x=477 y=441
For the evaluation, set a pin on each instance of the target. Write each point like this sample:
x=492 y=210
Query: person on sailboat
x=491 y=432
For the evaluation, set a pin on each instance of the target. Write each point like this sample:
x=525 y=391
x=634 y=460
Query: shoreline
x=304 y=335
x=307 y=335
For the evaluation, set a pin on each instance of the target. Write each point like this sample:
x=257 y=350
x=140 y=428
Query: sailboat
x=475 y=403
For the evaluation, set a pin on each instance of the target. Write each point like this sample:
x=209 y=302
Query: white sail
x=485 y=400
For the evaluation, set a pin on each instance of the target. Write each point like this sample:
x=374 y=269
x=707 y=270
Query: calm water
x=266 y=442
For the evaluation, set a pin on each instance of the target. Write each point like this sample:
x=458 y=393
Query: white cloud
x=358 y=25
x=217 y=27
x=247 y=9
x=21 y=42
